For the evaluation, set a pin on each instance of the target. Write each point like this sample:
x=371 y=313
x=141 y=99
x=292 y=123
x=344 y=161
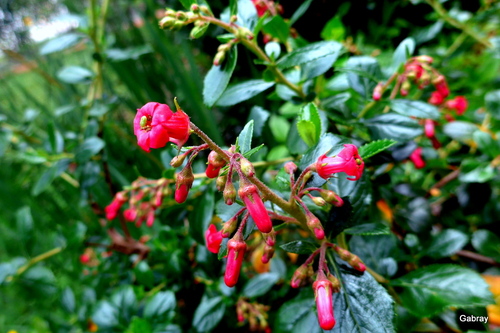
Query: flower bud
x=195 y=8
x=150 y=217
x=314 y=224
x=221 y=183
x=219 y=58
x=335 y=283
x=247 y=167
x=416 y=158
x=213 y=239
x=112 y=209
x=198 y=31
x=229 y=227
x=249 y=194
x=270 y=238
x=216 y=160
x=178 y=160
x=229 y=193
x=212 y=171
x=183 y=184
x=130 y=214
x=268 y=254
x=405 y=87
x=290 y=168
x=236 y=251
x=233 y=18
x=299 y=276
x=324 y=303
x=318 y=201
x=167 y=22
x=351 y=259
x=429 y=128
x=425 y=59
x=377 y=92
x=332 y=198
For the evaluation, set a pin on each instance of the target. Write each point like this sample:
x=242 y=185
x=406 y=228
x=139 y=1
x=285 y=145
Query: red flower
x=183 y=184
x=416 y=158
x=442 y=87
x=155 y=124
x=436 y=98
x=348 y=161
x=261 y=7
x=213 y=239
x=115 y=205
x=250 y=196
x=324 y=304
x=215 y=163
x=130 y=214
x=429 y=128
x=236 y=251
x=459 y=104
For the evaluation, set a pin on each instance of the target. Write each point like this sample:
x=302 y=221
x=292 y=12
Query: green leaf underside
x=394 y=126
x=375 y=147
x=245 y=137
x=309 y=124
x=218 y=78
x=209 y=313
x=260 y=284
x=430 y=290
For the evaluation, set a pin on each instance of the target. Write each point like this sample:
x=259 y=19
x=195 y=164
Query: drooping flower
x=436 y=98
x=213 y=239
x=112 y=209
x=416 y=158
x=250 y=195
x=183 y=184
x=348 y=161
x=323 y=290
x=215 y=163
x=236 y=251
x=459 y=104
x=155 y=125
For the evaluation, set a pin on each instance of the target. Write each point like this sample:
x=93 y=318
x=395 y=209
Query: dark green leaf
x=139 y=325
x=474 y=171
x=277 y=27
x=144 y=274
x=200 y=217
x=245 y=137
x=309 y=124
x=372 y=148
x=430 y=290
x=75 y=74
x=260 y=284
x=5 y=137
x=317 y=67
x=415 y=108
x=24 y=223
x=40 y=279
x=218 y=77
x=404 y=50
x=243 y=91
x=486 y=143
x=446 y=243
x=159 y=304
x=279 y=127
x=294 y=142
x=60 y=43
x=363 y=73
x=68 y=300
x=129 y=53
x=247 y=14
x=299 y=247
x=259 y=116
x=49 y=175
x=298 y=315
x=428 y=33
x=300 y=11
x=359 y=193
x=492 y=102
x=487 y=243
x=394 y=126
x=208 y=314
x=90 y=147
x=125 y=301
x=233 y=7
x=377 y=252
x=460 y=130
x=309 y=53
x=105 y=315
x=368 y=229
x=187 y=3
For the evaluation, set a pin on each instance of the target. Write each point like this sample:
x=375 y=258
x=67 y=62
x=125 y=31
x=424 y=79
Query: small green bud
x=195 y=8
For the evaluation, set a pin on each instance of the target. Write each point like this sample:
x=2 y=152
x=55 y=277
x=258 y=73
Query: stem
x=478 y=257
x=373 y=103
x=37 y=259
x=376 y=276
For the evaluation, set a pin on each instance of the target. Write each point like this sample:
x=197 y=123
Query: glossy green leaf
x=245 y=137
x=243 y=91
x=208 y=314
x=375 y=147
x=460 y=130
x=61 y=43
x=139 y=325
x=428 y=33
x=415 y=108
x=260 y=284
x=298 y=315
x=277 y=27
x=259 y=117
x=334 y=29
x=105 y=315
x=75 y=74
x=317 y=67
x=486 y=143
x=187 y=3
x=309 y=124
x=368 y=229
x=394 y=126
x=487 y=243
x=68 y=302
x=49 y=175
x=359 y=193
x=218 y=78
x=125 y=301
x=309 y=53
x=160 y=304
x=294 y=142
x=404 y=50
x=377 y=252
x=363 y=73
x=144 y=274
x=492 y=102
x=128 y=53
x=5 y=137
x=90 y=147
x=300 y=11
x=279 y=127
x=299 y=247
x=429 y=290
x=474 y=171
x=24 y=223
x=446 y=243
x=40 y=280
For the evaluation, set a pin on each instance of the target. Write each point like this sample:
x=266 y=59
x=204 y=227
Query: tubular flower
x=112 y=209
x=324 y=304
x=215 y=163
x=236 y=251
x=213 y=239
x=155 y=124
x=459 y=104
x=348 y=161
x=416 y=158
x=250 y=196
x=436 y=98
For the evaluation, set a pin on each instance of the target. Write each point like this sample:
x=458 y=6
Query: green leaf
x=446 y=243
x=298 y=315
x=300 y=11
x=247 y=14
x=128 y=53
x=273 y=51
x=187 y=3
x=60 y=43
x=486 y=143
x=317 y=67
x=208 y=314
x=243 y=91
x=75 y=74
x=105 y=315
x=428 y=33
x=5 y=137
x=299 y=247
x=233 y=7
x=372 y=148
x=492 y=102
x=24 y=223
x=49 y=175
x=309 y=53
x=394 y=126
x=139 y=325
x=200 y=218
x=363 y=73
x=125 y=301
x=474 y=171
x=309 y=124
x=377 y=252
x=160 y=304
x=334 y=29
x=460 y=130
x=277 y=27
x=279 y=127
x=90 y=147
x=404 y=50
x=218 y=77
x=415 y=108
x=260 y=284
x=144 y=274
x=68 y=300
x=487 y=243
x=245 y=137
x=428 y=291
x=362 y=305
x=252 y=151
x=40 y=280
x=294 y=142
x=369 y=229
x=259 y=116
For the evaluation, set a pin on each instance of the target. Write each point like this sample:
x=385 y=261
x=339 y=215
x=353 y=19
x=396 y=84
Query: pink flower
x=250 y=196
x=155 y=124
x=324 y=304
x=429 y=128
x=459 y=104
x=348 y=161
x=183 y=184
x=436 y=98
x=113 y=208
x=130 y=214
x=236 y=251
x=213 y=239
x=260 y=6
x=442 y=87
x=416 y=158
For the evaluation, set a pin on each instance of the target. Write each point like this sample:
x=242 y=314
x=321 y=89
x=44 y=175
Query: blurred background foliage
x=66 y=109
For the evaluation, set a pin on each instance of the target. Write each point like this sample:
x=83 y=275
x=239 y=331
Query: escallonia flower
x=323 y=291
x=155 y=125
x=416 y=158
x=215 y=163
x=348 y=161
x=113 y=208
x=250 y=195
x=213 y=239
x=184 y=181
x=459 y=104
x=236 y=252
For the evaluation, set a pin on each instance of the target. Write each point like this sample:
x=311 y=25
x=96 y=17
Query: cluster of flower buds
x=255 y=313
x=222 y=51
x=144 y=198
x=267 y=6
x=175 y=20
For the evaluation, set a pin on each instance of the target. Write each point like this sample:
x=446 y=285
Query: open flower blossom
x=348 y=161
x=155 y=125
x=323 y=290
x=459 y=104
x=213 y=239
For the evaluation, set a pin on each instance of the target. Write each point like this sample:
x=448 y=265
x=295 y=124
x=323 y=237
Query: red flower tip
x=348 y=161
x=181 y=193
x=324 y=303
x=213 y=239
x=250 y=196
x=416 y=158
x=360 y=267
x=212 y=171
x=183 y=184
x=113 y=208
x=236 y=251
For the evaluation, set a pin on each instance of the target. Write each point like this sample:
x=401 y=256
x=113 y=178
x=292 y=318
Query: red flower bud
x=229 y=193
x=377 y=92
x=213 y=239
x=442 y=86
x=115 y=205
x=250 y=196
x=429 y=128
x=212 y=171
x=332 y=198
x=183 y=184
x=216 y=160
x=268 y=254
x=416 y=158
x=459 y=104
x=324 y=303
x=84 y=258
x=290 y=167
x=150 y=217
x=299 y=276
x=130 y=214
x=247 y=167
x=348 y=161
x=236 y=251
